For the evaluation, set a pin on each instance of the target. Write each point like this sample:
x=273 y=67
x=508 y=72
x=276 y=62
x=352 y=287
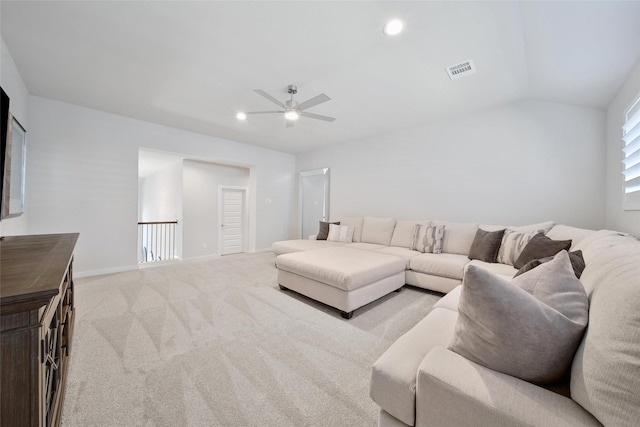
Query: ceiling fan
x=292 y=109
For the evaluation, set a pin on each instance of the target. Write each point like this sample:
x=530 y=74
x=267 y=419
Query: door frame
x=245 y=216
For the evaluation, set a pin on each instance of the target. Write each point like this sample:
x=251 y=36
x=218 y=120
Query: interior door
x=231 y=227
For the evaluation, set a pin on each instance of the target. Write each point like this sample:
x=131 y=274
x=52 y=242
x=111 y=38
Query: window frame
x=629 y=112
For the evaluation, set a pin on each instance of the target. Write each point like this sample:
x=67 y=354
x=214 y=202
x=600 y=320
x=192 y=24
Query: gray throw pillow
x=485 y=245
x=577 y=262
x=529 y=327
x=323 y=231
x=540 y=246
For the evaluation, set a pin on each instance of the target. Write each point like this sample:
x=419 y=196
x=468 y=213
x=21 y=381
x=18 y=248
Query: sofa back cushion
x=543 y=227
x=404 y=233
x=352 y=221
x=566 y=232
x=378 y=230
x=458 y=236
x=605 y=375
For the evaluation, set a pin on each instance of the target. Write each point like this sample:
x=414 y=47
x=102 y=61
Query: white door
x=231 y=227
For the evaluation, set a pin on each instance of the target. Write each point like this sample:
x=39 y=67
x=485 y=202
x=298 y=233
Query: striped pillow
x=435 y=237
x=340 y=233
x=513 y=243
x=428 y=239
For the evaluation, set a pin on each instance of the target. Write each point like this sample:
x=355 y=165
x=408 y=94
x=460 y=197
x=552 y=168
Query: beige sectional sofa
x=436 y=272
x=419 y=381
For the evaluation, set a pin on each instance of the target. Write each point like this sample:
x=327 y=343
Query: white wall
x=160 y=194
x=82 y=175
x=12 y=83
x=521 y=163
x=200 y=204
x=616 y=218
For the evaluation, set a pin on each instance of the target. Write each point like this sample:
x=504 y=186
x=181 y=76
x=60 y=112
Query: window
x=631 y=170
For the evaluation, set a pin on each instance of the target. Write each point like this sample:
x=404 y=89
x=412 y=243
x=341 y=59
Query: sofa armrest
x=454 y=391
x=313 y=237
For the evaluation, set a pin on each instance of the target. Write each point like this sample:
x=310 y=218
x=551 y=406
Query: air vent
x=463 y=69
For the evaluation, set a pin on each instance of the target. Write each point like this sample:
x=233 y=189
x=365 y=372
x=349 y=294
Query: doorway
x=232 y=220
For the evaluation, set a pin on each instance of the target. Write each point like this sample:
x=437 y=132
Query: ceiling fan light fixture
x=291 y=115
x=393 y=27
x=241 y=116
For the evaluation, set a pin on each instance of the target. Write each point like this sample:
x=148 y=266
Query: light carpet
x=217 y=343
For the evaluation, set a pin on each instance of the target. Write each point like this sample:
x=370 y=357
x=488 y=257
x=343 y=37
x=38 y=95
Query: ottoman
x=344 y=278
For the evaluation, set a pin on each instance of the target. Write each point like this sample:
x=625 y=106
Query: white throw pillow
x=429 y=239
x=340 y=233
x=513 y=243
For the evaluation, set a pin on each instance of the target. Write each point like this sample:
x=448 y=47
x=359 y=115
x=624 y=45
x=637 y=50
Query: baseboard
x=91 y=273
x=209 y=257
x=201 y=258
x=264 y=250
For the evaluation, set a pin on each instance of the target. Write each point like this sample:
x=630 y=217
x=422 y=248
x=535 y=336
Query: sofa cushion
x=485 y=245
x=605 y=376
x=355 y=222
x=404 y=233
x=513 y=243
x=340 y=233
x=499 y=269
x=323 y=230
x=450 y=300
x=300 y=245
x=341 y=267
x=366 y=246
x=393 y=375
x=378 y=230
x=530 y=330
x=403 y=253
x=445 y=265
x=458 y=236
x=453 y=392
x=543 y=227
x=566 y=232
x=540 y=246
x=577 y=262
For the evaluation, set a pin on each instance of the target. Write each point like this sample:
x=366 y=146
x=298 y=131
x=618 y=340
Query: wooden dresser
x=36 y=326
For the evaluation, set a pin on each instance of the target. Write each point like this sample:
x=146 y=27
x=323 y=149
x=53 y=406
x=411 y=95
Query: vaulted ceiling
x=194 y=65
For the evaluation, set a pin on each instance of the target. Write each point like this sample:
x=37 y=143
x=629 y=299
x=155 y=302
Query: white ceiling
x=193 y=65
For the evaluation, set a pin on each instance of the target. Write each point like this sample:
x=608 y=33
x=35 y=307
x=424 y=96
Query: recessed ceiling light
x=291 y=115
x=241 y=116
x=393 y=27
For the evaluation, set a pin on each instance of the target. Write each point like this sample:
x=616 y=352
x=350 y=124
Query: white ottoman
x=344 y=278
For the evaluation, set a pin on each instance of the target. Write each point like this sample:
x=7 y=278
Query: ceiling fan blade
x=313 y=101
x=270 y=98
x=317 y=116
x=290 y=123
x=264 y=112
